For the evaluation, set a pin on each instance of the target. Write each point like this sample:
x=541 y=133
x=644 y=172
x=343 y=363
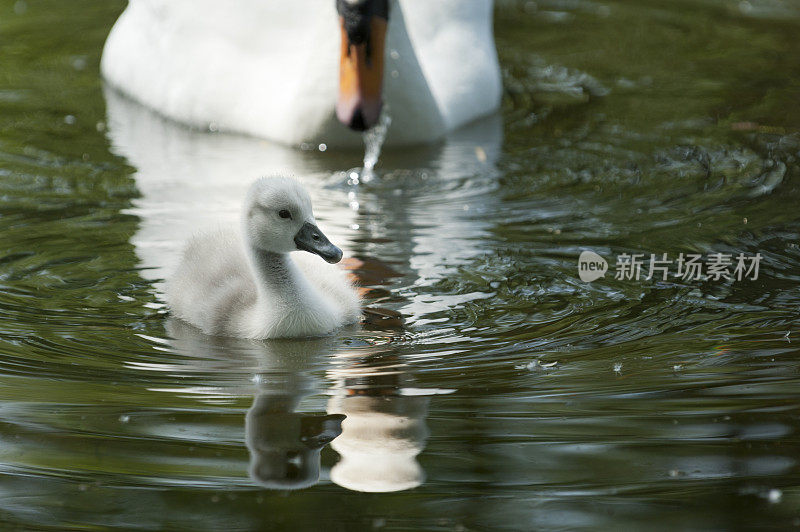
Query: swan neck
x=276 y=273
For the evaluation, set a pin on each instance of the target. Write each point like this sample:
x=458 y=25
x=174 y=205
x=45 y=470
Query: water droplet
x=677 y=367
x=774 y=495
x=322 y=147
x=79 y=63
x=100 y=126
x=354 y=227
x=537 y=365
x=69 y=119
x=617 y=367
x=394 y=54
x=124 y=418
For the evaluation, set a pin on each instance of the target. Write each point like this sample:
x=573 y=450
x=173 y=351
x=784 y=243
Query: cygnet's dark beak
x=311 y=239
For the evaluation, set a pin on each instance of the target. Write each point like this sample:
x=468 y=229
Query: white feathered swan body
x=271 y=69
x=246 y=284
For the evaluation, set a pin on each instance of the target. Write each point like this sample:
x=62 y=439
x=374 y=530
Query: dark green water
x=517 y=397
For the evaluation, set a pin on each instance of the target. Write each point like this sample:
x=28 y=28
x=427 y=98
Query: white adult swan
x=249 y=287
x=273 y=69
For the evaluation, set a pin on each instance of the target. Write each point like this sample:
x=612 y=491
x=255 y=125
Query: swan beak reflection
x=363 y=28
x=310 y=238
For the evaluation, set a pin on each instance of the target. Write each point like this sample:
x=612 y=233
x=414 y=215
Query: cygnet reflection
x=284 y=444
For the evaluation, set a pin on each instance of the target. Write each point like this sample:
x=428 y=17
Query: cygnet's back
x=247 y=285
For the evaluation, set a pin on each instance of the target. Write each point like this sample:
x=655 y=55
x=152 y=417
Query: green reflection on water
x=627 y=127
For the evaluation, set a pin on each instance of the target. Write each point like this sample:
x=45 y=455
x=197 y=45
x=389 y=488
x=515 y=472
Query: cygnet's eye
x=283 y=213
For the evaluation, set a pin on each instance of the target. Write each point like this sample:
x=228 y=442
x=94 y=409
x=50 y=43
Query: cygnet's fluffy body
x=247 y=285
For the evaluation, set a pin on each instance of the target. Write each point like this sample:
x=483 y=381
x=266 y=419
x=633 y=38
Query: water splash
x=373 y=142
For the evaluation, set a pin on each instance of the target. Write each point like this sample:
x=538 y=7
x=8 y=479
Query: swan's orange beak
x=361 y=76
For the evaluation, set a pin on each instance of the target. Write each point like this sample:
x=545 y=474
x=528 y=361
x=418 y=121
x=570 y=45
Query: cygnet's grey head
x=278 y=219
